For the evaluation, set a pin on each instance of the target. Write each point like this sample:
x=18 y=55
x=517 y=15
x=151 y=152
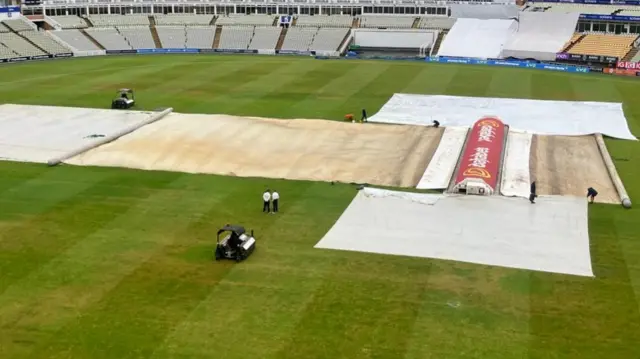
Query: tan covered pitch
x=391 y=155
x=568 y=165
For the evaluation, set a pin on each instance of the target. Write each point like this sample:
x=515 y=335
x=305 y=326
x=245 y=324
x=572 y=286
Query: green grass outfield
x=112 y=263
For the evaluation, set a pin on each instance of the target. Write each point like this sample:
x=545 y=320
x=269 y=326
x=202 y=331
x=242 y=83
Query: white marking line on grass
x=515 y=169
x=444 y=160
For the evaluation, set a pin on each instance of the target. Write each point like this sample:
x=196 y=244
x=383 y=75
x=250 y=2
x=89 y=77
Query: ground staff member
x=266 y=197
x=591 y=194
x=533 y=195
x=275 y=197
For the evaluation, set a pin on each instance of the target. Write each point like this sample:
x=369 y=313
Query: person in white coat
x=266 y=198
x=275 y=198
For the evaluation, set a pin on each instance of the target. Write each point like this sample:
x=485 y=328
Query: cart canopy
x=233 y=228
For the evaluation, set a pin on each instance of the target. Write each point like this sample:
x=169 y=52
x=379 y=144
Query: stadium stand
x=437 y=23
x=571 y=41
x=395 y=39
x=250 y=20
x=477 y=38
x=386 y=21
x=76 y=39
x=604 y=45
x=200 y=37
x=627 y=11
x=265 y=38
x=540 y=35
x=576 y=8
x=138 y=38
x=70 y=22
x=324 y=21
x=328 y=39
x=119 y=20
x=5 y=52
x=19 y=25
x=44 y=42
x=172 y=37
x=234 y=37
x=299 y=38
x=473 y=10
x=180 y=19
x=19 y=45
x=109 y=38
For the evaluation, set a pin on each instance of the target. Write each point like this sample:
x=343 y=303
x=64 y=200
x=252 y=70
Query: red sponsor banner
x=622 y=72
x=629 y=65
x=481 y=157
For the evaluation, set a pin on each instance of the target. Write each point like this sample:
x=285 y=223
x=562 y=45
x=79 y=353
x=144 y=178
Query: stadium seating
x=603 y=45
x=138 y=38
x=328 y=39
x=76 y=39
x=249 y=20
x=299 y=38
x=200 y=37
x=19 y=45
x=119 y=20
x=45 y=42
x=629 y=11
x=70 y=22
x=386 y=21
x=324 y=21
x=436 y=23
x=19 y=25
x=180 y=19
x=172 y=37
x=6 y=53
x=405 y=39
x=109 y=38
x=571 y=41
x=265 y=38
x=237 y=38
x=578 y=8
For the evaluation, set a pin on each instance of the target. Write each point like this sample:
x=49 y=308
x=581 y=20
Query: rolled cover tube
x=84 y=148
x=613 y=173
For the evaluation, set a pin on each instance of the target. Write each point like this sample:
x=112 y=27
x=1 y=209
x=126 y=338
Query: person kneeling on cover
x=533 y=194
x=591 y=194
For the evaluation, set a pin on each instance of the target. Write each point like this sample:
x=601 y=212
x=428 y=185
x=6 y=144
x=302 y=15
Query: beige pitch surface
x=390 y=155
x=568 y=165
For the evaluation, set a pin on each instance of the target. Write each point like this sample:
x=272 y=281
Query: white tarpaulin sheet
x=570 y=118
x=477 y=38
x=444 y=160
x=516 y=181
x=541 y=35
x=39 y=133
x=549 y=236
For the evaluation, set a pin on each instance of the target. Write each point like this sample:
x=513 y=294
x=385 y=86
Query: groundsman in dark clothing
x=591 y=194
x=533 y=195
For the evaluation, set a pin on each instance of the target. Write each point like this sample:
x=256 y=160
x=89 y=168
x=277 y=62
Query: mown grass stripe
x=63 y=229
x=275 y=272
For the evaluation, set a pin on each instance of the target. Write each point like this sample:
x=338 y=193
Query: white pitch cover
x=444 y=160
x=516 y=177
x=39 y=133
x=568 y=118
x=549 y=236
